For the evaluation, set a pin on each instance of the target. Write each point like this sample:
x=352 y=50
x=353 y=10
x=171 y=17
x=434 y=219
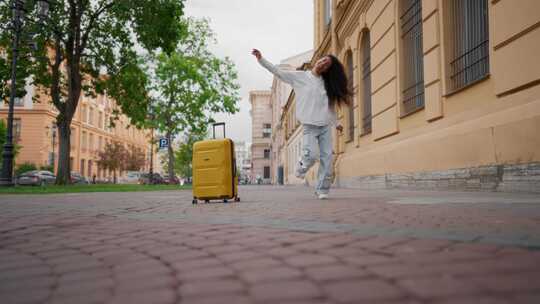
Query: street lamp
x=17 y=7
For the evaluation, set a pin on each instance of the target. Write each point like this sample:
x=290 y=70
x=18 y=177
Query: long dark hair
x=336 y=83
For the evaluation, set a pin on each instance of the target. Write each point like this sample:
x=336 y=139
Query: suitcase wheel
x=194 y=202
x=237 y=199
x=207 y=201
x=225 y=201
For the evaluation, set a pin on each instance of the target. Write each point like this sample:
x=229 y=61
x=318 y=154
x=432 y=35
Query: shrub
x=25 y=167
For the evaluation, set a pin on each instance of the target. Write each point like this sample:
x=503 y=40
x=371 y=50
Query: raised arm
x=287 y=76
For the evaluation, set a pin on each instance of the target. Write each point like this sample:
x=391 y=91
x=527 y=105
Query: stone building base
x=507 y=178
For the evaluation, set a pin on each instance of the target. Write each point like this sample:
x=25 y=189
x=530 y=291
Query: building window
x=100 y=143
x=366 y=82
x=413 y=55
x=17 y=127
x=327 y=13
x=100 y=120
x=267 y=130
x=266 y=153
x=82 y=167
x=84 y=115
x=19 y=102
x=91 y=146
x=70 y=163
x=84 y=141
x=266 y=172
x=72 y=137
x=89 y=168
x=469 y=61
x=350 y=76
x=91 y=116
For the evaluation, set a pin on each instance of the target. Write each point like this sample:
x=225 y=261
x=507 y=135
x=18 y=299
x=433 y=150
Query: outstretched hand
x=256 y=53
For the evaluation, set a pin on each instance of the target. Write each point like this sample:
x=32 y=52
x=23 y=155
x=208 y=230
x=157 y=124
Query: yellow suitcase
x=214 y=169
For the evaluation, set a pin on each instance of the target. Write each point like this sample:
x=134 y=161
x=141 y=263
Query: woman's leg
x=309 y=147
x=325 y=165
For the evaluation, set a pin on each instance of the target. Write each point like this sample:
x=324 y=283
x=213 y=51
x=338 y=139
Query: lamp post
x=18 y=10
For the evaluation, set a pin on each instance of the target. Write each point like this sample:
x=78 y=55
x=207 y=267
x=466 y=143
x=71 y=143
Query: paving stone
x=210 y=288
x=284 y=290
x=356 y=291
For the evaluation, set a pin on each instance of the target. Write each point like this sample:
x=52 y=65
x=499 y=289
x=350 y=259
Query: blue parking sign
x=163 y=143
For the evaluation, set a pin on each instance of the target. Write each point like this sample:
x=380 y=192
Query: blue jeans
x=320 y=136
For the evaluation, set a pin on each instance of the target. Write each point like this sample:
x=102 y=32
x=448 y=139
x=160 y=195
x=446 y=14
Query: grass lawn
x=89 y=188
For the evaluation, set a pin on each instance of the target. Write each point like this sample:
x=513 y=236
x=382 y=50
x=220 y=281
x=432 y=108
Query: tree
x=184 y=154
x=112 y=158
x=134 y=159
x=25 y=167
x=83 y=38
x=3 y=132
x=190 y=84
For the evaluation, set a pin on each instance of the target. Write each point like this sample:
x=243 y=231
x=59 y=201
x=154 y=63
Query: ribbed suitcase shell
x=214 y=170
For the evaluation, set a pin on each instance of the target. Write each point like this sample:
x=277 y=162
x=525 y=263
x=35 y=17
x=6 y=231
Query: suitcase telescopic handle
x=214 y=128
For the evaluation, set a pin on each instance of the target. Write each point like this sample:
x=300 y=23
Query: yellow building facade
x=91 y=131
x=447 y=92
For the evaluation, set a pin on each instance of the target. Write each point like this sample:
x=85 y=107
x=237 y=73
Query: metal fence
x=470 y=37
x=413 y=56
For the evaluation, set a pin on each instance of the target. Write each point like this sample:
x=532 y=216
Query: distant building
x=243 y=160
x=35 y=132
x=279 y=96
x=261 y=127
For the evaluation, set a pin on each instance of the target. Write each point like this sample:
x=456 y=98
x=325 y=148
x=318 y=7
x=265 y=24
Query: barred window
x=470 y=36
x=366 y=82
x=327 y=12
x=266 y=153
x=413 y=56
x=266 y=173
x=350 y=76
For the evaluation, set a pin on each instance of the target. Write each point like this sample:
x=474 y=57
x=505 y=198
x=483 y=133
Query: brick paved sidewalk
x=279 y=245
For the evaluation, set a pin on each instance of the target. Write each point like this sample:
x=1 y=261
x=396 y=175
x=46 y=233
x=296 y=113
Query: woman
x=317 y=91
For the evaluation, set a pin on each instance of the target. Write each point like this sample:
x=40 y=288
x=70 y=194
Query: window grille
x=350 y=75
x=471 y=48
x=413 y=63
x=327 y=12
x=366 y=82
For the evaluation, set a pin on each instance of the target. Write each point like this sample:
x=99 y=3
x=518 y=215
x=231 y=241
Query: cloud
x=279 y=28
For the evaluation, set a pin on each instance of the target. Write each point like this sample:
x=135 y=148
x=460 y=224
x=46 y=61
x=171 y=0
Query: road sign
x=163 y=143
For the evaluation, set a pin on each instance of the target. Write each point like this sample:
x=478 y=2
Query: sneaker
x=298 y=172
x=322 y=196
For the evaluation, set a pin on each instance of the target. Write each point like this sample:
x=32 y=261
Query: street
x=278 y=245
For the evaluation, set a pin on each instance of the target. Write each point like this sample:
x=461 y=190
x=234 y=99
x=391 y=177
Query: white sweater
x=311 y=98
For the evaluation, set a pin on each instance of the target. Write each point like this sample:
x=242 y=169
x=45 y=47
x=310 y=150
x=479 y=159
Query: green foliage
x=82 y=39
x=184 y=154
x=189 y=85
x=49 y=189
x=47 y=168
x=3 y=134
x=25 y=167
x=134 y=159
x=112 y=157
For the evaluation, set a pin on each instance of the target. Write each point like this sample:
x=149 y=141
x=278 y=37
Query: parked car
x=36 y=178
x=77 y=178
x=145 y=179
x=175 y=180
x=132 y=177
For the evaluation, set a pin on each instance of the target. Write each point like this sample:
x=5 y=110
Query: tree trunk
x=63 y=176
x=171 y=158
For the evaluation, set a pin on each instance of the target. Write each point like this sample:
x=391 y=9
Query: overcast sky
x=279 y=28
